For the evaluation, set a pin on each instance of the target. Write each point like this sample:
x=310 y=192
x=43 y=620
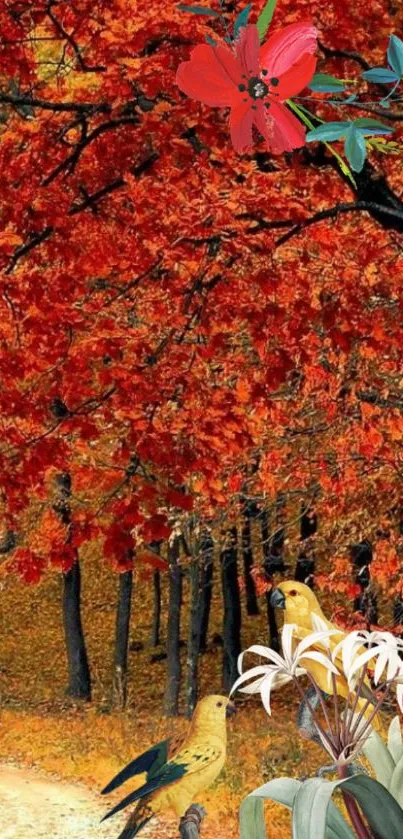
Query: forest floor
x=86 y=744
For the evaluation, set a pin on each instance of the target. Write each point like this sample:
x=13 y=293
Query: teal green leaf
x=265 y=18
x=380 y=75
x=328 y=131
x=372 y=126
x=355 y=149
x=395 y=742
x=198 y=10
x=395 y=55
x=383 y=813
x=322 y=83
x=211 y=41
x=242 y=19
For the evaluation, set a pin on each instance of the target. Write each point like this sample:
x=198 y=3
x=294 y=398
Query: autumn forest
x=201 y=367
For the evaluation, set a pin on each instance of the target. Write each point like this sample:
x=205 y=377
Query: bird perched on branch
x=300 y=603
x=177 y=769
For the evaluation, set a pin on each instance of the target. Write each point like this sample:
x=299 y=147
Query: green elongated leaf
x=395 y=741
x=323 y=83
x=314 y=815
x=198 y=10
x=251 y=818
x=284 y=791
x=381 y=810
x=372 y=126
x=380 y=758
x=396 y=782
x=355 y=149
x=242 y=19
x=395 y=55
x=328 y=131
x=265 y=18
x=380 y=75
x=211 y=41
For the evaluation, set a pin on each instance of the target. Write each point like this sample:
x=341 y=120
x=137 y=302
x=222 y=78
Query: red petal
x=296 y=78
x=286 y=47
x=247 y=49
x=211 y=76
x=241 y=121
x=281 y=129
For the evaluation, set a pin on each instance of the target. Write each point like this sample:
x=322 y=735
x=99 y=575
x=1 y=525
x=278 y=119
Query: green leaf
x=355 y=149
x=380 y=75
x=285 y=791
x=380 y=758
x=396 y=783
x=395 y=55
x=395 y=742
x=198 y=10
x=211 y=41
x=242 y=19
x=328 y=131
x=383 y=813
x=264 y=20
x=314 y=815
x=322 y=83
x=372 y=126
x=251 y=818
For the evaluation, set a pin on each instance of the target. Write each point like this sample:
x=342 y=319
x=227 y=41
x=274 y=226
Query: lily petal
x=247 y=49
x=285 y=131
x=296 y=78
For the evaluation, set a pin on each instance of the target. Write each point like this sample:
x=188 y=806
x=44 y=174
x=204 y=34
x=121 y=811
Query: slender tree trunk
x=305 y=566
x=252 y=607
x=193 y=648
x=366 y=601
x=155 y=638
x=206 y=585
x=122 y=635
x=79 y=681
x=232 y=609
x=171 y=697
x=273 y=562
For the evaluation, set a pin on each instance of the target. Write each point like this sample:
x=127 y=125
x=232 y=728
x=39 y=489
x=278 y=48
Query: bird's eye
x=293 y=593
x=219 y=704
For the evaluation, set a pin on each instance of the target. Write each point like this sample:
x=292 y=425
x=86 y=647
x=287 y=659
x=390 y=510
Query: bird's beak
x=277 y=599
x=230 y=710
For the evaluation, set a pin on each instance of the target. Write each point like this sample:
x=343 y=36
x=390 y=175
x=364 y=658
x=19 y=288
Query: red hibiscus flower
x=254 y=81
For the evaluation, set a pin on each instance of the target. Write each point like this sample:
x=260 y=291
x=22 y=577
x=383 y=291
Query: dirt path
x=34 y=805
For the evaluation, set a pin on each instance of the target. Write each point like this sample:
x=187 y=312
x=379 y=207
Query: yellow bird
x=300 y=603
x=177 y=769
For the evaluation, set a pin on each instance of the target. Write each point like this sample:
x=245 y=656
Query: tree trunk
x=366 y=602
x=305 y=566
x=273 y=563
x=122 y=635
x=206 y=586
x=79 y=680
x=232 y=609
x=193 y=648
x=171 y=697
x=155 y=638
x=252 y=607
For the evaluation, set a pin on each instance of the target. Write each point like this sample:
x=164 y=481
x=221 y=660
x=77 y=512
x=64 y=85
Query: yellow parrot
x=177 y=769
x=300 y=603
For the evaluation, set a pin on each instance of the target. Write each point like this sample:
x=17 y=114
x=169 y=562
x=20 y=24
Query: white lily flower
x=282 y=669
x=381 y=647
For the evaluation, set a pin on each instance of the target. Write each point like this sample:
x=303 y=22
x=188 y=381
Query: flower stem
x=356 y=819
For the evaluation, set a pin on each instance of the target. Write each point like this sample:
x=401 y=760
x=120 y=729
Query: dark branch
x=328 y=52
x=33 y=242
x=70 y=40
x=62 y=107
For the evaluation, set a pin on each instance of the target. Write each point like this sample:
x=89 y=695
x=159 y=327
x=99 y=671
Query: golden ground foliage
x=89 y=743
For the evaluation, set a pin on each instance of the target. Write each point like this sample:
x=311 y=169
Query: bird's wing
x=150 y=762
x=187 y=761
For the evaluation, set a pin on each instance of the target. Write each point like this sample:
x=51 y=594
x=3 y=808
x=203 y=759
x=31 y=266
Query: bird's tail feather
x=142 y=814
